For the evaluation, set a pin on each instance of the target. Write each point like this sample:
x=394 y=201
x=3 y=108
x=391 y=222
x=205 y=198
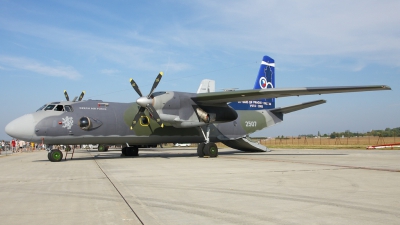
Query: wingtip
x=161 y=73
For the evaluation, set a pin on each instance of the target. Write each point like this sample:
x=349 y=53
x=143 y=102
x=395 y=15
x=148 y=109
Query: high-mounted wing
x=254 y=94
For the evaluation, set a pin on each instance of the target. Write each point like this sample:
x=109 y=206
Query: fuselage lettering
x=251 y=123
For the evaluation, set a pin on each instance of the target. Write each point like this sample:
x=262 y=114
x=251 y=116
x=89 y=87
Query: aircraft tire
x=211 y=150
x=132 y=151
x=135 y=151
x=200 y=148
x=124 y=151
x=102 y=148
x=55 y=155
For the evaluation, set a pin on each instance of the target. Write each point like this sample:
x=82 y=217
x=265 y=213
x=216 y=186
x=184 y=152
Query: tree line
x=388 y=132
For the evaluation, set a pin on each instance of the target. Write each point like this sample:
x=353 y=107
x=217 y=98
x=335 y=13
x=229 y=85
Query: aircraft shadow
x=165 y=153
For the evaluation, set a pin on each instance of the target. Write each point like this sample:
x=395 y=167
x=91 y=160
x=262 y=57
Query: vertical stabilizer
x=206 y=86
x=265 y=79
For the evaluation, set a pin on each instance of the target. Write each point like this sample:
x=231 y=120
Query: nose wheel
x=55 y=155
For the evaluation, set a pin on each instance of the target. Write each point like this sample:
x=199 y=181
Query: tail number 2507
x=251 y=123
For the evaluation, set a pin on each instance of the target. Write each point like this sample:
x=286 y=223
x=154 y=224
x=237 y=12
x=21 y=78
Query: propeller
x=146 y=102
x=79 y=99
x=66 y=95
x=81 y=96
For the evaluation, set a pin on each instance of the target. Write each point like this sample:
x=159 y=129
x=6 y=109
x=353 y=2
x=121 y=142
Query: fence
x=344 y=141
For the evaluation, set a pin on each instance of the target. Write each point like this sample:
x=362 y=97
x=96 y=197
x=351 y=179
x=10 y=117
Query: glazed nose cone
x=21 y=128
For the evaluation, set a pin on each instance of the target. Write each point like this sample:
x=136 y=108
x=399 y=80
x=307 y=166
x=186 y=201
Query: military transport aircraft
x=205 y=117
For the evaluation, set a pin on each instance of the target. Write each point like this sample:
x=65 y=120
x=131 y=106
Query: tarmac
x=174 y=186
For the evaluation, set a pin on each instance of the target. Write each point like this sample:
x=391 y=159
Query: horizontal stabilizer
x=293 y=108
x=246 y=145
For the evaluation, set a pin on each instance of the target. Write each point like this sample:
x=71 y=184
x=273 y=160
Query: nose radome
x=22 y=127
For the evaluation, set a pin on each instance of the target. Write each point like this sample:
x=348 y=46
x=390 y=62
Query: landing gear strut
x=207 y=148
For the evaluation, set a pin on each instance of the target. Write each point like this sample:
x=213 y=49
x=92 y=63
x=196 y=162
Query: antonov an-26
x=205 y=117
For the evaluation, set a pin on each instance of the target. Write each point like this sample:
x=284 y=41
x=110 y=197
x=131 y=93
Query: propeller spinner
x=146 y=102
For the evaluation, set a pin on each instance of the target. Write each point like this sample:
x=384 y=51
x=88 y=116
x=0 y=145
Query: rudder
x=265 y=79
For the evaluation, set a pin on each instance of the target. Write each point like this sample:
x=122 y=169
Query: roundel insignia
x=263 y=82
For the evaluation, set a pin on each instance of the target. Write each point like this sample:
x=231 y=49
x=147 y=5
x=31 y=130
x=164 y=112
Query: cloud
x=36 y=67
x=305 y=31
x=356 y=30
x=109 y=71
x=175 y=67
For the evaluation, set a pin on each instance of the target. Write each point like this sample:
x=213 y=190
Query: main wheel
x=55 y=155
x=211 y=149
x=200 y=148
x=102 y=148
x=132 y=151
x=124 y=151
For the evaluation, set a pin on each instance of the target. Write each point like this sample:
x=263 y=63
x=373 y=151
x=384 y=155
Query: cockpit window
x=41 y=107
x=59 y=108
x=49 y=107
x=68 y=108
x=155 y=94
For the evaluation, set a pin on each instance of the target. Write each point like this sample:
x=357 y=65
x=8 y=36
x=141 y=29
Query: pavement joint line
x=321 y=164
x=117 y=190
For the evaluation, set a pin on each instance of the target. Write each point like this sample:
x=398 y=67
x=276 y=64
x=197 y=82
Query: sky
x=47 y=47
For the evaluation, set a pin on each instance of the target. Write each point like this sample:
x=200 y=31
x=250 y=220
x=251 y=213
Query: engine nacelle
x=206 y=117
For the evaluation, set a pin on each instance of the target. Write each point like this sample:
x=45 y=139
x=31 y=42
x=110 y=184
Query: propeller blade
x=66 y=95
x=154 y=114
x=137 y=117
x=155 y=84
x=136 y=87
x=81 y=96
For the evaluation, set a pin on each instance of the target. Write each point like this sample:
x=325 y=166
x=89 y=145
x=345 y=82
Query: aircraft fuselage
x=98 y=122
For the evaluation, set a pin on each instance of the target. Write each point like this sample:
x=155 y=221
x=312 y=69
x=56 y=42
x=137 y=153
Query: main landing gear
x=207 y=148
x=102 y=148
x=130 y=151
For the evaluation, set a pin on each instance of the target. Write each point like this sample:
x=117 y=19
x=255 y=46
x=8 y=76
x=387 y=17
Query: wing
x=255 y=94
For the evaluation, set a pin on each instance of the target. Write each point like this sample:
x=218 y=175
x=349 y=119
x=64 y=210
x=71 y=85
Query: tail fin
x=265 y=79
